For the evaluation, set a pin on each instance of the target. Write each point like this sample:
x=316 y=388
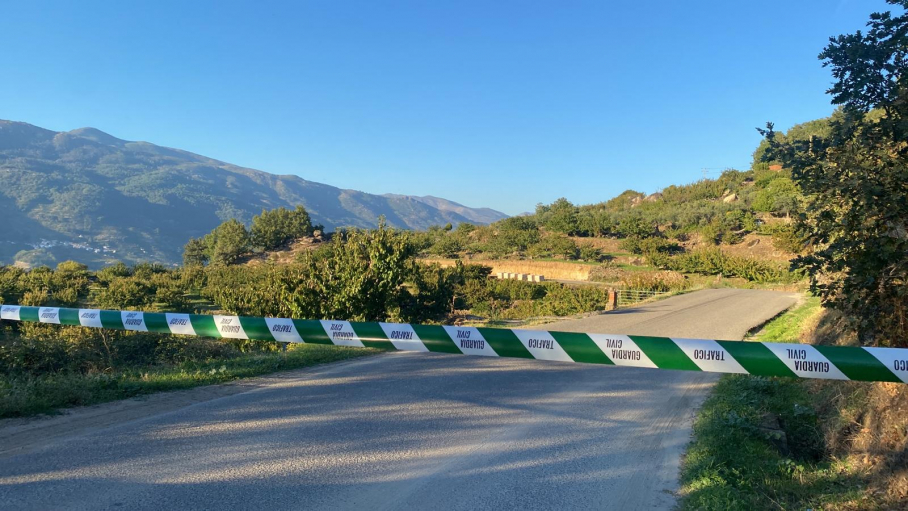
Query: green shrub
x=590 y=253
x=447 y=246
x=715 y=262
x=273 y=228
x=787 y=237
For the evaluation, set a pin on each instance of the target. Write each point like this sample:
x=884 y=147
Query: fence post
x=612 y=303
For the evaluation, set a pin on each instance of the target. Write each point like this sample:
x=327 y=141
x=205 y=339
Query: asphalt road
x=396 y=431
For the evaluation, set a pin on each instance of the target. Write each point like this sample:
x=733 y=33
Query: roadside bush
x=35 y=349
x=551 y=299
x=179 y=349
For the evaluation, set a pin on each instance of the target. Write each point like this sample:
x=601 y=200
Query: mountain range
x=89 y=196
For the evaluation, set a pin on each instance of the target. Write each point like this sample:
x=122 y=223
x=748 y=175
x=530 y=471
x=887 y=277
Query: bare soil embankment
x=552 y=270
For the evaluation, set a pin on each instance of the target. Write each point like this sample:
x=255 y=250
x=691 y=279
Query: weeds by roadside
x=25 y=394
x=758 y=445
x=777 y=443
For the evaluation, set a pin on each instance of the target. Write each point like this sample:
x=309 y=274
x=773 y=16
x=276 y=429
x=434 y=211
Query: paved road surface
x=396 y=431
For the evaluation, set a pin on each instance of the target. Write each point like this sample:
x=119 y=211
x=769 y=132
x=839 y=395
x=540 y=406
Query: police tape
x=756 y=358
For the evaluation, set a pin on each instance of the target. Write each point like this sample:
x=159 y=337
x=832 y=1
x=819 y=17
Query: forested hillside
x=95 y=198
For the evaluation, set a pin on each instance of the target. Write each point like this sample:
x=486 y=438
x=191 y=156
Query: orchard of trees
x=231 y=240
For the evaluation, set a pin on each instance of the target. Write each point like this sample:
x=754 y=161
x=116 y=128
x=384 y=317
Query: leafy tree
x=636 y=227
x=72 y=268
x=562 y=217
x=437 y=292
x=447 y=246
x=113 y=272
x=803 y=131
x=273 y=228
x=514 y=234
x=227 y=242
x=711 y=234
x=195 y=253
x=590 y=253
x=855 y=181
x=562 y=247
x=780 y=197
x=126 y=293
x=10 y=289
x=70 y=282
x=464 y=229
x=789 y=238
x=595 y=221
x=360 y=277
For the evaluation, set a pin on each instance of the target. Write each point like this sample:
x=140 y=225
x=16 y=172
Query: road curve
x=396 y=431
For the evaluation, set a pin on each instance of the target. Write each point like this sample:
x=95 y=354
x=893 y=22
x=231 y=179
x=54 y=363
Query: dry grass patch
x=865 y=425
x=659 y=281
x=754 y=246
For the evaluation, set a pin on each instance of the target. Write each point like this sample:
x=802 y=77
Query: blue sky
x=501 y=104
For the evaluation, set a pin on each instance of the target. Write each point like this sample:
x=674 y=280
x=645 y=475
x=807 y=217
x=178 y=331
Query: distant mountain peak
x=476 y=215
x=96 y=135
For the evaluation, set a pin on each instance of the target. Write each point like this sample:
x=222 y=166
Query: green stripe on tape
x=581 y=348
x=664 y=353
x=204 y=325
x=256 y=328
x=756 y=358
x=372 y=335
x=436 y=339
x=156 y=322
x=29 y=314
x=70 y=317
x=857 y=364
x=112 y=319
x=505 y=343
x=311 y=331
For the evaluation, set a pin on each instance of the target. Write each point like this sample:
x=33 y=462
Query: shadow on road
x=462 y=432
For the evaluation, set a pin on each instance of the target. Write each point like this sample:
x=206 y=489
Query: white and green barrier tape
x=757 y=358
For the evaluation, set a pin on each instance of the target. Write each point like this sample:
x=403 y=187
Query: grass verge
x=759 y=443
x=30 y=395
x=790 y=325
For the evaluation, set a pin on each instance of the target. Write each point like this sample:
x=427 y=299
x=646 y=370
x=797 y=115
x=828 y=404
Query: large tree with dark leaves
x=855 y=181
